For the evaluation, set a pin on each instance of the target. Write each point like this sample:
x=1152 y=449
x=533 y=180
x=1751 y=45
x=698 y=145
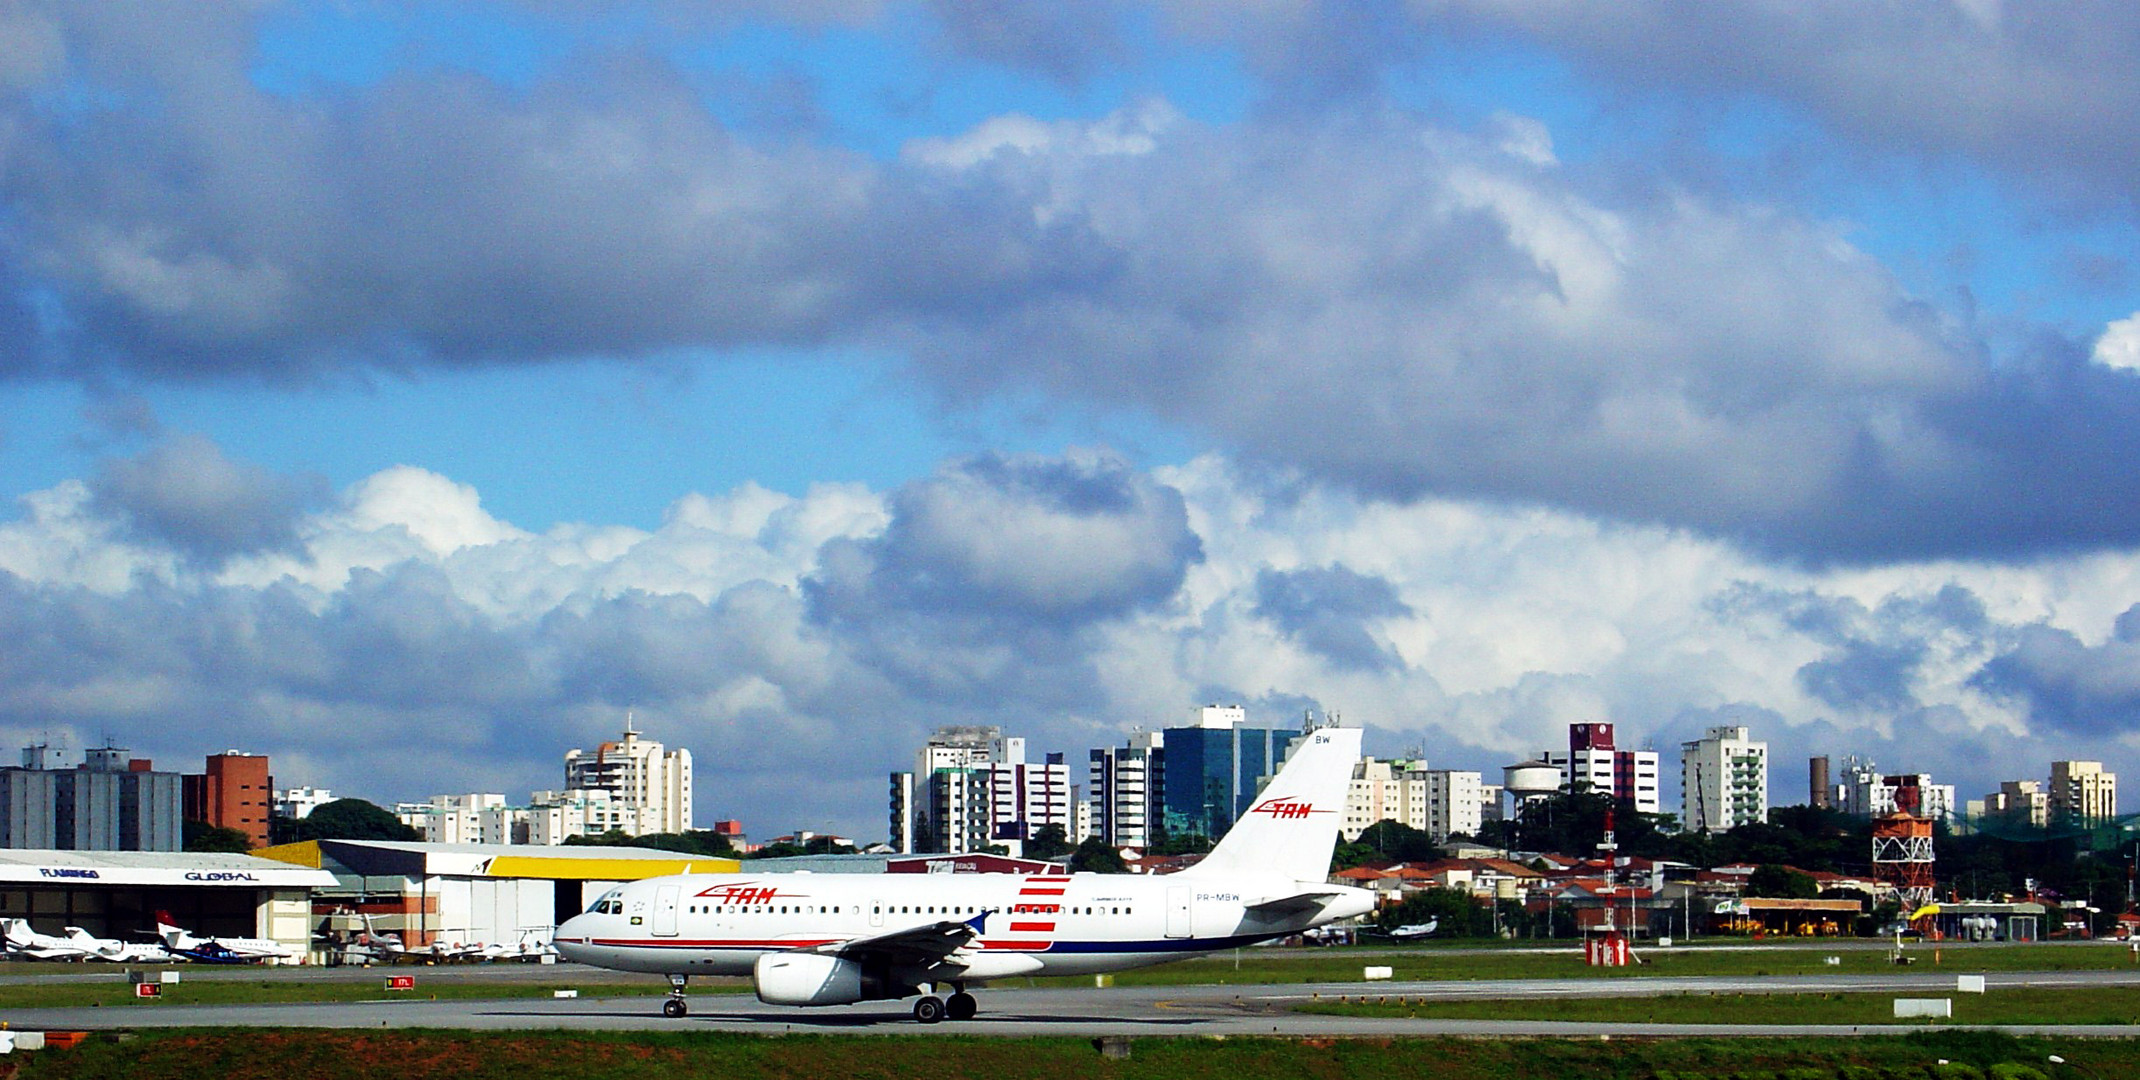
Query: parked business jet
x=76 y=944
x=836 y=939
x=21 y=940
x=217 y=950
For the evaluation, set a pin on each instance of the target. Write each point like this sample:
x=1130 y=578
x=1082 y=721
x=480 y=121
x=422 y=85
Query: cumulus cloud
x=2030 y=91
x=2119 y=347
x=2073 y=687
x=186 y=493
x=1331 y=610
x=802 y=645
x=996 y=566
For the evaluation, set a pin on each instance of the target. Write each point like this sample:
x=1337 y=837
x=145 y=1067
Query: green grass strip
x=405 y=1055
x=2019 y=1005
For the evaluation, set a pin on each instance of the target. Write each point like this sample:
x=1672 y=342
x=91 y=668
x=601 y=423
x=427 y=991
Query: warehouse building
x=117 y=894
x=468 y=894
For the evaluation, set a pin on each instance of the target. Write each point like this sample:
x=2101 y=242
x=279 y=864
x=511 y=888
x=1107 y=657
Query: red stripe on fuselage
x=1040 y=892
x=1032 y=928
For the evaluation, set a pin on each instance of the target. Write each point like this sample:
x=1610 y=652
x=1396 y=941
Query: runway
x=1197 y=1011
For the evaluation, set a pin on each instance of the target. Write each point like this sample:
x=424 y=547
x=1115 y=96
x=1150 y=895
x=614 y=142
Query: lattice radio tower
x=1902 y=851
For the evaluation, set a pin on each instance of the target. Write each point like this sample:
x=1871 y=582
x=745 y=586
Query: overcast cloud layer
x=1649 y=396
x=1357 y=291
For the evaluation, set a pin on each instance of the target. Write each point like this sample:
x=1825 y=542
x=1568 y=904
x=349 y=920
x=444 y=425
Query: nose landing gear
x=674 y=1008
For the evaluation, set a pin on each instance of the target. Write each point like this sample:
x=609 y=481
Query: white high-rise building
x=1457 y=801
x=1593 y=763
x=298 y=802
x=2082 y=791
x=972 y=788
x=1723 y=781
x=1864 y=792
x=1434 y=801
x=1026 y=797
x=652 y=786
x=1125 y=783
x=458 y=819
x=2017 y=802
x=554 y=816
x=1385 y=791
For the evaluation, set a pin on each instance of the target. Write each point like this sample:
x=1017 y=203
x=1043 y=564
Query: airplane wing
x=1294 y=904
x=930 y=944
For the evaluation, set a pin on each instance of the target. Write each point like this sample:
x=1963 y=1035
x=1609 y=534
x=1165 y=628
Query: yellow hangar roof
x=564 y=862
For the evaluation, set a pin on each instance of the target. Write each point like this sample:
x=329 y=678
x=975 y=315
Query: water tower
x=1529 y=781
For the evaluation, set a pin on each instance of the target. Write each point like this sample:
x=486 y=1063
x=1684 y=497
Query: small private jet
x=217 y=950
x=837 y=939
x=76 y=944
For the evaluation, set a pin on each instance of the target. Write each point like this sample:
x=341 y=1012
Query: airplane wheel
x=674 y=1008
x=929 y=1010
x=962 y=1006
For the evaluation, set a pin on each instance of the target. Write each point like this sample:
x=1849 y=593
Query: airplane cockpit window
x=609 y=904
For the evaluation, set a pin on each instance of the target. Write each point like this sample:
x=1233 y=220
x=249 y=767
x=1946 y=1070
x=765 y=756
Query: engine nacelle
x=802 y=978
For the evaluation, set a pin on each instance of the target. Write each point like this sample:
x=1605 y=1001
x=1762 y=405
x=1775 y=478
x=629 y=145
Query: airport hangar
x=116 y=894
x=468 y=894
x=330 y=890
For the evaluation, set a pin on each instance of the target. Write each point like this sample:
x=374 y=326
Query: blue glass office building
x=1213 y=774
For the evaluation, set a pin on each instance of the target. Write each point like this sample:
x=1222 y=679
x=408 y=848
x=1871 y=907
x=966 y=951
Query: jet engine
x=802 y=978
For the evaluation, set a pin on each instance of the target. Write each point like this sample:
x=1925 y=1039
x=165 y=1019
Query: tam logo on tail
x=1287 y=809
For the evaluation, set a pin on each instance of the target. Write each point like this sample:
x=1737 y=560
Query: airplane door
x=1177 y=911
x=876 y=913
x=665 y=910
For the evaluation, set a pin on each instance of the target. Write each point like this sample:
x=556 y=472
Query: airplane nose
x=572 y=932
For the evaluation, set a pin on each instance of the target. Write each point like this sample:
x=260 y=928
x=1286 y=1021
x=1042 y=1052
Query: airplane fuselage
x=1071 y=924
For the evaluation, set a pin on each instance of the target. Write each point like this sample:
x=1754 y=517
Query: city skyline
x=401 y=390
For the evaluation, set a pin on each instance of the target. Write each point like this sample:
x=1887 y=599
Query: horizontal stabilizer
x=1301 y=901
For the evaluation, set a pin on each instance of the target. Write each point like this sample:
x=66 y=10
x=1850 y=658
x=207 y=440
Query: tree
x=696 y=842
x=1097 y=856
x=1458 y=912
x=1781 y=883
x=816 y=845
x=353 y=819
x=1180 y=844
x=201 y=836
x=1048 y=843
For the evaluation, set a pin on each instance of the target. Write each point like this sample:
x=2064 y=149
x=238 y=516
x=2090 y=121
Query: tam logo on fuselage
x=747 y=892
x=1287 y=809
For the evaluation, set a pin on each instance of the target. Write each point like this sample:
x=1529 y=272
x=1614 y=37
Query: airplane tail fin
x=1293 y=826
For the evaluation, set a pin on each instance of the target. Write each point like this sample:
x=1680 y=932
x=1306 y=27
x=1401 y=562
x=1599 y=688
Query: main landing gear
x=674 y=1008
x=929 y=1009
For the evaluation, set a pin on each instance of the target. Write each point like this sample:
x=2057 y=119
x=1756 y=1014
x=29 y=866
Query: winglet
x=980 y=922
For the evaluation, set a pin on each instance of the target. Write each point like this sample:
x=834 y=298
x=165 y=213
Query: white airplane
x=836 y=939
x=217 y=950
x=1415 y=931
x=372 y=946
x=118 y=952
x=21 y=940
x=76 y=944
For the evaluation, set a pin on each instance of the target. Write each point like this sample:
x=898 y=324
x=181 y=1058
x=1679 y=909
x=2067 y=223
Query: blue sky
x=843 y=369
